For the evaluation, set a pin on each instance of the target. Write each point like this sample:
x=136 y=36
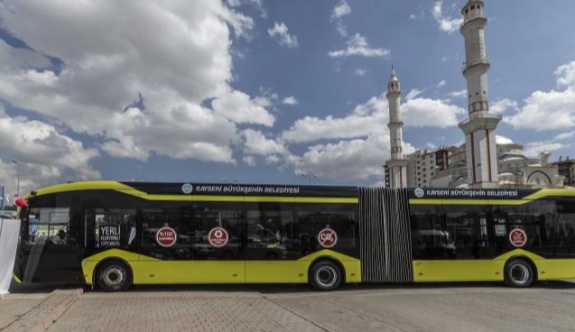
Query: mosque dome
x=502 y=140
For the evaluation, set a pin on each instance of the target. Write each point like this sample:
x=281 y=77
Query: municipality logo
x=419 y=192
x=187 y=188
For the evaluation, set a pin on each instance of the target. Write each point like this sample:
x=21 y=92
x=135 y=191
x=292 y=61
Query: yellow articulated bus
x=116 y=234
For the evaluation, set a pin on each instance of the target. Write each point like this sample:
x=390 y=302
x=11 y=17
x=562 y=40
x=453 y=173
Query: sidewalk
x=34 y=311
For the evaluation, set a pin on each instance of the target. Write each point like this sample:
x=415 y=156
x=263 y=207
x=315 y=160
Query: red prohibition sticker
x=166 y=237
x=518 y=237
x=218 y=237
x=327 y=238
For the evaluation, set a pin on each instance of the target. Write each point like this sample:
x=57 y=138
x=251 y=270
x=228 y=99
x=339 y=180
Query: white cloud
x=280 y=34
x=340 y=10
x=173 y=56
x=366 y=119
x=249 y=160
x=566 y=75
x=458 y=94
x=357 y=159
x=432 y=146
x=503 y=105
x=290 y=101
x=533 y=149
x=441 y=84
x=240 y=108
x=273 y=159
x=358 y=46
x=358 y=144
x=371 y=117
x=42 y=153
x=256 y=143
x=234 y=3
x=446 y=23
x=413 y=93
x=551 y=110
x=183 y=131
x=423 y=112
x=342 y=29
x=360 y=72
x=257 y=3
x=564 y=136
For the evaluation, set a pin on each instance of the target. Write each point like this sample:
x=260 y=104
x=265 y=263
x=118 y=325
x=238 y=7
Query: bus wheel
x=519 y=273
x=114 y=276
x=325 y=275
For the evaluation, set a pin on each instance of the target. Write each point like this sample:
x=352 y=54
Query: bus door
x=53 y=246
x=110 y=229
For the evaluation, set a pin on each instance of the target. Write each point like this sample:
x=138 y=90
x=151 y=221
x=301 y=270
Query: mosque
x=485 y=160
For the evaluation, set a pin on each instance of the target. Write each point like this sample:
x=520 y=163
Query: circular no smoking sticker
x=218 y=237
x=327 y=238
x=166 y=237
x=518 y=237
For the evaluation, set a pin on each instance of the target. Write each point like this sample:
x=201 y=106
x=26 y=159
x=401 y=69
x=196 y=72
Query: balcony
x=483 y=60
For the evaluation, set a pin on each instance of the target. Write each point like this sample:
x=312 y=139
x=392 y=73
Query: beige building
x=515 y=169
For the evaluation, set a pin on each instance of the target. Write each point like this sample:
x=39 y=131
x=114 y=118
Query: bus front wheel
x=519 y=273
x=114 y=276
x=326 y=275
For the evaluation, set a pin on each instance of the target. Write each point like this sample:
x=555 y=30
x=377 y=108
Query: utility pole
x=17 y=176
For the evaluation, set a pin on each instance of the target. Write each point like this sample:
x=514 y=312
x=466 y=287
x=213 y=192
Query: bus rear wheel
x=325 y=275
x=519 y=273
x=114 y=276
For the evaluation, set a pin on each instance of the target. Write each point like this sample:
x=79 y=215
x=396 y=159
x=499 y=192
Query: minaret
x=397 y=165
x=481 y=150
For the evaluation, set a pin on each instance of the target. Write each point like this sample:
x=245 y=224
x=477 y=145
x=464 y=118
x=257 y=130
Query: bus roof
x=204 y=189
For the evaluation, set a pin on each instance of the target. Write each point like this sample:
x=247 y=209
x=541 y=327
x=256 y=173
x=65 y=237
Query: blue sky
x=264 y=91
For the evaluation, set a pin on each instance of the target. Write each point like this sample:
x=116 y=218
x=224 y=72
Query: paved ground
x=14 y=306
x=444 y=307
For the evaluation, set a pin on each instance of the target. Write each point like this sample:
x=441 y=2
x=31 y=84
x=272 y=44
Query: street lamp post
x=17 y=176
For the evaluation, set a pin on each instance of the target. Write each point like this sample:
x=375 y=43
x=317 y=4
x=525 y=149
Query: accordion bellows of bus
x=112 y=235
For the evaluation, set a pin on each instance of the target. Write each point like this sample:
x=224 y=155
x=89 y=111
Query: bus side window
x=46 y=222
